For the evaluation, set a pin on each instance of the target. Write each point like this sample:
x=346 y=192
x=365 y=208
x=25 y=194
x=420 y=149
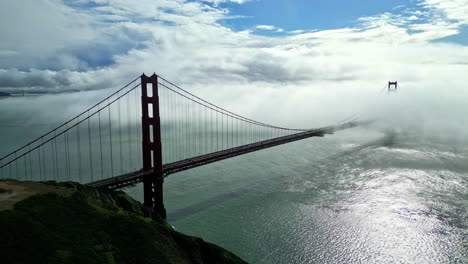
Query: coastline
x=72 y=223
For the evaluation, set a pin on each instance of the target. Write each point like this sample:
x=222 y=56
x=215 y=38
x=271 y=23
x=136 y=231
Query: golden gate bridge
x=143 y=132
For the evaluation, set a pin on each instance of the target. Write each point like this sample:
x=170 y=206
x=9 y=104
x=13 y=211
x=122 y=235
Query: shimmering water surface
x=355 y=197
x=359 y=196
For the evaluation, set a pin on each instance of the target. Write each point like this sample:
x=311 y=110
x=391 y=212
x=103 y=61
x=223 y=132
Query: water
x=355 y=197
x=359 y=196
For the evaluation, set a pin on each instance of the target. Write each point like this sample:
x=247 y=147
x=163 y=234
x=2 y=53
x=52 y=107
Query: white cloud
x=299 y=31
x=217 y=2
x=327 y=73
x=455 y=10
x=270 y=28
x=399 y=7
x=266 y=27
x=176 y=30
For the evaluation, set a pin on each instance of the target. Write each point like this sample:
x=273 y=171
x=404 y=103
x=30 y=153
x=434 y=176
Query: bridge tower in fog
x=392 y=86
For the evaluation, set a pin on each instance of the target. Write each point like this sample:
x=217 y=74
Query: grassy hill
x=53 y=222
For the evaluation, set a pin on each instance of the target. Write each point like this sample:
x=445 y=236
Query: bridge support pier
x=151 y=145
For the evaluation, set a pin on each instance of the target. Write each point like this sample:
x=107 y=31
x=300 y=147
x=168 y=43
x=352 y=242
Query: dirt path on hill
x=17 y=191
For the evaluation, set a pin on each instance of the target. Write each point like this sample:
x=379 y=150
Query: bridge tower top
x=392 y=86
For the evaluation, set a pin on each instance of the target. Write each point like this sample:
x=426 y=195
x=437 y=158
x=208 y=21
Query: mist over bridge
x=144 y=132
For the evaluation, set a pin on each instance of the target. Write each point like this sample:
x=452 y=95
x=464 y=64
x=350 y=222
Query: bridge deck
x=170 y=168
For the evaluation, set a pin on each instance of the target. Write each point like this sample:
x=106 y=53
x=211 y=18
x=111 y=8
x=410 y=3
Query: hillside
x=53 y=222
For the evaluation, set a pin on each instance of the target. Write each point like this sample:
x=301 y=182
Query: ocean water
x=364 y=195
x=359 y=196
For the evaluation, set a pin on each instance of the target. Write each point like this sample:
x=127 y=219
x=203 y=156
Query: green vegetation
x=96 y=226
x=5 y=190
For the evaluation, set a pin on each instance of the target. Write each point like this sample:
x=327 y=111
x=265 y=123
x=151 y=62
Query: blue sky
x=306 y=14
x=460 y=38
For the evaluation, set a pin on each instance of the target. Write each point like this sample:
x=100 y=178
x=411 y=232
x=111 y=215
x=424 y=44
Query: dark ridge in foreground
x=52 y=222
x=4 y=94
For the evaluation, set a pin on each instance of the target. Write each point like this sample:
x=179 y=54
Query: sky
x=295 y=55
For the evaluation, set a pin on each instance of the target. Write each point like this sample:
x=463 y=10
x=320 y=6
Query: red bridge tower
x=151 y=145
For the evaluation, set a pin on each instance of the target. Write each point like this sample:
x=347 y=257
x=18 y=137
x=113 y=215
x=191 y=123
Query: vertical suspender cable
x=90 y=150
x=129 y=133
x=78 y=144
x=44 y=164
x=137 y=143
x=119 y=116
x=25 y=170
x=110 y=143
x=16 y=163
x=100 y=143
x=54 y=165
x=67 y=156
x=39 y=163
x=30 y=161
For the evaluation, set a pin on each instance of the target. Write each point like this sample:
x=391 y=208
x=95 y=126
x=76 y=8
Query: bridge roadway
x=133 y=178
